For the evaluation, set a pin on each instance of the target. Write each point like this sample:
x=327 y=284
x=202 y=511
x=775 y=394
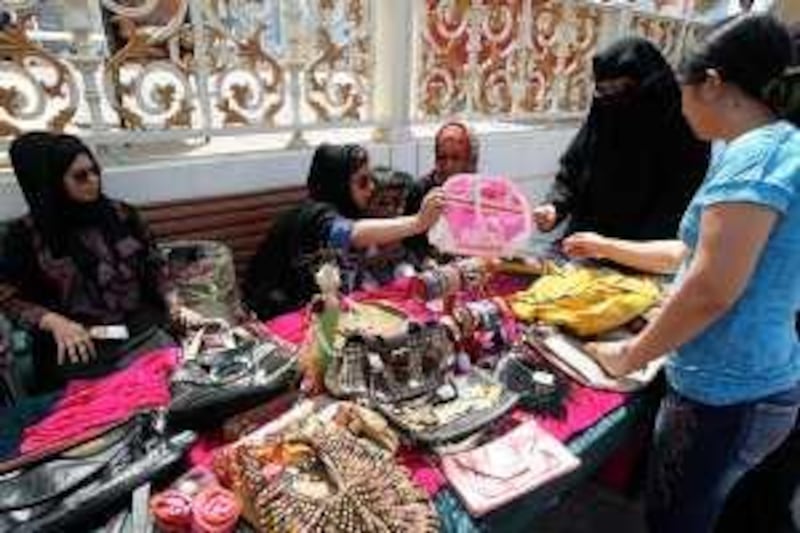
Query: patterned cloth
x=125 y=283
x=130 y=275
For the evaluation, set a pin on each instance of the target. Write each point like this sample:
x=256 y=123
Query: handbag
x=213 y=384
x=492 y=475
x=68 y=490
x=204 y=277
x=460 y=407
x=327 y=479
x=541 y=390
x=484 y=216
x=568 y=355
x=390 y=369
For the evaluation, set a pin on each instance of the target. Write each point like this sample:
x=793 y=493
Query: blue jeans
x=700 y=451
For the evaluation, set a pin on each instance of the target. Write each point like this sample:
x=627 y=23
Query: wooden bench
x=240 y=221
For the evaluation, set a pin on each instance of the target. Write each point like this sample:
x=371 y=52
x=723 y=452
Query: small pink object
x=215 y=510
x=486 y=216
x=525 y=458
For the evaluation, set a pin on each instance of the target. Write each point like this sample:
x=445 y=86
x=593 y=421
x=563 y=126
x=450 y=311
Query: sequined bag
x=343 y=484
x=212 y=385
x=463 y=405
x=390 y=369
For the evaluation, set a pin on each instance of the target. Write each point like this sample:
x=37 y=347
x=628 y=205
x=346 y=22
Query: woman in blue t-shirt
x=734 y=382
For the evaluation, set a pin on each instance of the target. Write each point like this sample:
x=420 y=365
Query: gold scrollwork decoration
x=33 y=83
x=254 y=91
x=336 y=79
x=144 y=84
x=663 y=32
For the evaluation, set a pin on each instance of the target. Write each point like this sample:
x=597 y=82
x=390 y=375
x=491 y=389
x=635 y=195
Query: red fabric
x=202 y=452
x=89 y=404
x=585 y=407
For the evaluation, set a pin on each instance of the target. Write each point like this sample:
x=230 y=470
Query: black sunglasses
x=82 y=175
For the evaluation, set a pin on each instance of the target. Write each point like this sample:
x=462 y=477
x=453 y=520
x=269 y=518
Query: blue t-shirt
x=752 y=351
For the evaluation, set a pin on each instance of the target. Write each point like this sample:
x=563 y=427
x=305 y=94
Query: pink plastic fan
x=484 y=216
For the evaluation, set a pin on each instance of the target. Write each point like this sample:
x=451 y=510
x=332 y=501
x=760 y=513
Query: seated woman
x=734 y=380
x=80 y=269
x=635 y=163
x=330 y=225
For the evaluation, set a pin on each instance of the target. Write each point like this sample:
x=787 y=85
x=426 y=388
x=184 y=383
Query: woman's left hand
x=611 y=356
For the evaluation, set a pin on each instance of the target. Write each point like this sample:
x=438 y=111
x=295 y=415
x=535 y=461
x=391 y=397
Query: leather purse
x=69 y=490
x=460 y=407
x=212 y=385
x=493 y=475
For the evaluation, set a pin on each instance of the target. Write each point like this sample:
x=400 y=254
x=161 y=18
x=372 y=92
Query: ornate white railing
x=140 y=70
x=194 y=66
x=526 y=58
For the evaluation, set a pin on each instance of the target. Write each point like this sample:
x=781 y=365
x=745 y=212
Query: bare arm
x=658 y=257
x=379 y=231
x=732 y=237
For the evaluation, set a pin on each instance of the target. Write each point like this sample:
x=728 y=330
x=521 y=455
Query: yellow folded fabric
x=586 y=301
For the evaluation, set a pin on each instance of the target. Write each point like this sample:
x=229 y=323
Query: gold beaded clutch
x=335 y=482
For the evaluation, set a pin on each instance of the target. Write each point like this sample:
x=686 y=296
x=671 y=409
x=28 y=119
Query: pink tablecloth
x=585 y=406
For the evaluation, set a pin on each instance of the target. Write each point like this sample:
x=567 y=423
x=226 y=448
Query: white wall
x=526 y=153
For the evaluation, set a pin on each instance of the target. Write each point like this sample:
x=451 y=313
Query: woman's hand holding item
x=584 y=245
x=545 y=217
x=431 y=209
x=611 y=356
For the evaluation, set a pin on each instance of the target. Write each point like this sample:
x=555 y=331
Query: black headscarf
x=635 y=163
x=280 y=275
x=329 y=176
x=40 y=161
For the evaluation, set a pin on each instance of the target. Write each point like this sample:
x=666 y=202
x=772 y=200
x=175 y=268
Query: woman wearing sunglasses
x=80 y=270
x=734 y=381
x=331 y=225
x=635 y=163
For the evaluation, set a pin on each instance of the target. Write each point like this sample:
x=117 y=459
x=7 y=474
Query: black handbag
x=210 y=387
x=68 y=490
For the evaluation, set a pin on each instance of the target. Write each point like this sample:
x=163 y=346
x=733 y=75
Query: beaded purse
x=342 y=484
